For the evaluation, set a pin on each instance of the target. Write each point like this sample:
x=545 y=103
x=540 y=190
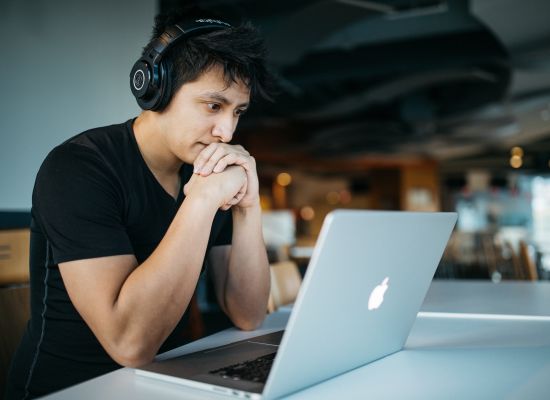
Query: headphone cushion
x=150 y=77
x=164 y=87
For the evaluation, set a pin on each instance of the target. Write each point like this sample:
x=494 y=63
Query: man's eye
x=240 y=112
x=214 y=106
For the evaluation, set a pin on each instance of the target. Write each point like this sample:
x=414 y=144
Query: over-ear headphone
x=149 y=78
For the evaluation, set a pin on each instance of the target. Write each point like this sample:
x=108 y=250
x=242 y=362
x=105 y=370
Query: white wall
x=64 y=68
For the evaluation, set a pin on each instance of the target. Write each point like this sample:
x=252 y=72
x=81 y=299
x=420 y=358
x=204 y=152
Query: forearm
x=155 y=295
x=248 y=279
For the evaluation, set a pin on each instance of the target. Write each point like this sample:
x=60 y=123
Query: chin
x=191 y=155
x=186 y=157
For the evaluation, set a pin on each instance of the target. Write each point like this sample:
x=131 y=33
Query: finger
x=242 y=192
x=239 y=196
x=207 y=167
x=240 y=149
x=231 y=159
x=208 y=153
x=224 y=162
x=236 y=199
x=204 y=156
x=225 y=207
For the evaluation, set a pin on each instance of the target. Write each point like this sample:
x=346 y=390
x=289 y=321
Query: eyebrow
x=222 y=99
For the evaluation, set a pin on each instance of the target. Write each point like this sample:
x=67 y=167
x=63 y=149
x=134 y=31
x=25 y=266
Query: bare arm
x=132 y=309
x=242 y=282
x=241 y=271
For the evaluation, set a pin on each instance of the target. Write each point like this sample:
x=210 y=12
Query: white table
x=518 y=298
x=450 y=354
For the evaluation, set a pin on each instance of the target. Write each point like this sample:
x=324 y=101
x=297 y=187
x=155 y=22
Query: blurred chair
x=528 y=264
x=509 y=253
x=285 y=284
x=279 y=231
x=14 y=294
x=14 y=256
x=14 y=314
x=490 y=254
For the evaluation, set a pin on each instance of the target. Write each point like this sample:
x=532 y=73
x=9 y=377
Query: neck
x=151 y=140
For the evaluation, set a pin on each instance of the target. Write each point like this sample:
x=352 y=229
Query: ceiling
x=453 y=80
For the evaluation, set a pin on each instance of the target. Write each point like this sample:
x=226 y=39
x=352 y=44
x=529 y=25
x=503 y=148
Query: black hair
x=239 y=50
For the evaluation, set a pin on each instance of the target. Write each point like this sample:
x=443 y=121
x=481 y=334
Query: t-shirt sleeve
x=79 y=206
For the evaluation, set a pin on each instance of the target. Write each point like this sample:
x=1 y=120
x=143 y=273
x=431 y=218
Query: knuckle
x=220 y=151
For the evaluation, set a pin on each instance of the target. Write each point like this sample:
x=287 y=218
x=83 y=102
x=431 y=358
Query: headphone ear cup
x=140 y=79
x=144 y=86
x=165 y=87
x=150 y=78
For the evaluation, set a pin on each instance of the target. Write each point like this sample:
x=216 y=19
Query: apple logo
x=377 y=295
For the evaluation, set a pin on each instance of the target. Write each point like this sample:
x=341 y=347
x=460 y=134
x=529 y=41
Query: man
x=125 y=216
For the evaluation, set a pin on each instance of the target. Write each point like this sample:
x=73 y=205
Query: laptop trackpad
x=190 y=365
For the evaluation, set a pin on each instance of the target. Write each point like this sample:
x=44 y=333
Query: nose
x=224 y=128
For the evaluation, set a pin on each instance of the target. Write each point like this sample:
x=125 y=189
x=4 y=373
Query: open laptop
x=364 y=285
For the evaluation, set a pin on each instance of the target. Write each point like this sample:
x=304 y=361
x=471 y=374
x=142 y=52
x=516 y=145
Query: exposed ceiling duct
x=400 y=76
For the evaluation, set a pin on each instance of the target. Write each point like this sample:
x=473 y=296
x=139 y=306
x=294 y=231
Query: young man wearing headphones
x=125 y=217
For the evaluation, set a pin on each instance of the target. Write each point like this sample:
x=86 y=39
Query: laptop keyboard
x=253 y=370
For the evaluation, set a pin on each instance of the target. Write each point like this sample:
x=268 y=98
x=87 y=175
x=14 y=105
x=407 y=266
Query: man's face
x=202 y=112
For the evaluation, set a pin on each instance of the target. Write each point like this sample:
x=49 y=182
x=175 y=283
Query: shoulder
x=85 y=160
x=103 y=138
x=98 y=147
x=106 y=142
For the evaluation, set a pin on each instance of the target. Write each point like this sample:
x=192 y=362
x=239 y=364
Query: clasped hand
x=215 y=159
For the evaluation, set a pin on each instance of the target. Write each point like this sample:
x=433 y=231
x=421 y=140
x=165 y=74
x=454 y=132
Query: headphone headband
x=148 y=77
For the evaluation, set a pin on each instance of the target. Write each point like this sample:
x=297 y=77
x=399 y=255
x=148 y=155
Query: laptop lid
x=365 y=283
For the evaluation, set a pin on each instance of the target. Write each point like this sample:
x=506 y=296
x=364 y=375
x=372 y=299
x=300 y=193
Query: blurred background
x=420 y=105
x=413 y=105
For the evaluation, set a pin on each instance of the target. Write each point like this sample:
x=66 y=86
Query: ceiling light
x=284 y=179
x=307 y=213
x=516 y=161
x=517 y=151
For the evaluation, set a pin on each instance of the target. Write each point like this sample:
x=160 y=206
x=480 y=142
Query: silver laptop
x=364 y=285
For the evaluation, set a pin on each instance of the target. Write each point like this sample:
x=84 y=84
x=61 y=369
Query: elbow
x=246 y=318
x=133 y=361
x=249 y=324
x=132 y=355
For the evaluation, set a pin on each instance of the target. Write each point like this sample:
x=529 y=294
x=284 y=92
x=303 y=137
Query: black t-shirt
x=94 y=196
